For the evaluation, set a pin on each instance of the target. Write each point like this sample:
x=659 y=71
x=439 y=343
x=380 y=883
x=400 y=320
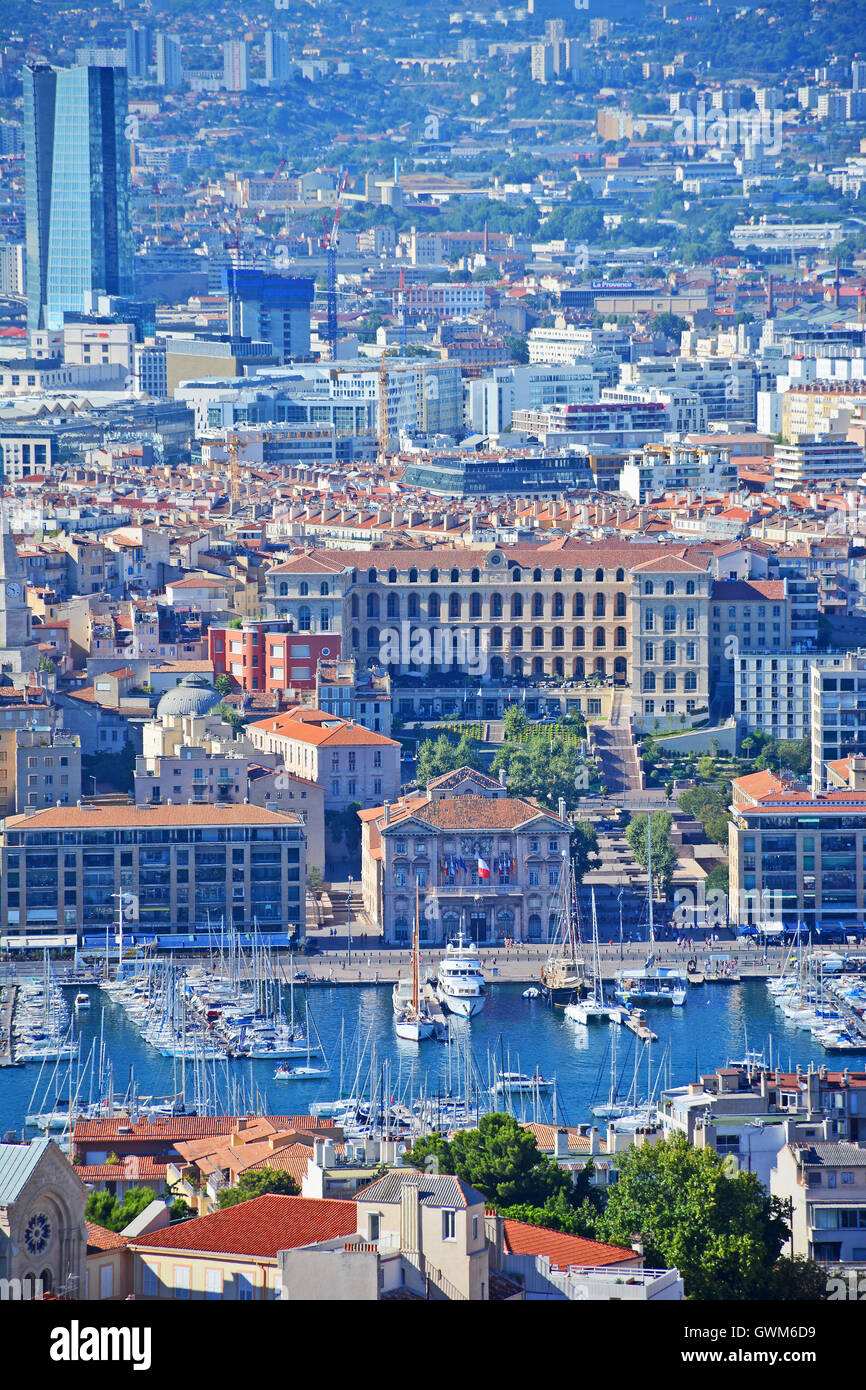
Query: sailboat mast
x=415 y=957
x=649 y=861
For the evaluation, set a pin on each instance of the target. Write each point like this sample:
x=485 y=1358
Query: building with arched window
x=480 y=860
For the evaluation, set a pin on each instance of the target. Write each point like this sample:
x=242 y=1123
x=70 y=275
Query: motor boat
x=460 y=984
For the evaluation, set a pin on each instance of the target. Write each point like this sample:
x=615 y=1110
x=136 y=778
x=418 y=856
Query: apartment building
x=747 y=615
x=795 y=856
x=276 y=654
x=838 y=713
x=751 y=1113
x=661 y=468
x=444 y=299
x=810 y=458
x=38 y=767
x=438 y=843
x=350 y=763
x=353 y=693
x=184 y=867
x=825 y=1183
x=773 y=694
x=821 y=408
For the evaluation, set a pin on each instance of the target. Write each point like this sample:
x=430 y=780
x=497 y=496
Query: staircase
x=620 y=767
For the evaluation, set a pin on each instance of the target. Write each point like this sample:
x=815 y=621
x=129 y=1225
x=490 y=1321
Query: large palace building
x=635 y=613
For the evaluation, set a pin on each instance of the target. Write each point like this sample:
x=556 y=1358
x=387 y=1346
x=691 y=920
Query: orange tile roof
x=261 y=1227
x=114 y=817
x=482 y=812
x=177 y=1127
x=336 y=733
x=758 y=784
x=99 y=1238
x=562 y=1250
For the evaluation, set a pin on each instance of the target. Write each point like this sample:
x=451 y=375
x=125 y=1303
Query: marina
x=354 y=1026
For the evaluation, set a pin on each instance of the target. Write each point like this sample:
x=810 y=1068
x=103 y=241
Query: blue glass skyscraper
x=79 y=236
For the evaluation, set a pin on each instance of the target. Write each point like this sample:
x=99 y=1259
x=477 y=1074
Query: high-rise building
x=137 y=50
x=169 y=61
x=236 y=66
x=169 y=72
x=278 y=60
x=858 y=76
x=19 y=653
x=79 y=236
x=12 y=276
x=273 y=309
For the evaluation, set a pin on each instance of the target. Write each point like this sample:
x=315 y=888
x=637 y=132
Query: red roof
x=181 y=1126
x=260 y=1227
x=100 y=1238
x=562 y=1250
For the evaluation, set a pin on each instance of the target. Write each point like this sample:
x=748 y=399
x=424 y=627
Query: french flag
x=483 y=868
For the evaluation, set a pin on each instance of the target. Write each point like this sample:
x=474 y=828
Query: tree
x=181 y=1210
x=515 y=723
x=791 y=755
x=499 y=1158
x=796 y=1280
x=671 y=325
x=105 y=1210
x=583 y=848
x=664 y=857
x=709 y=805
x=722 y=1232
x=444 y=755
x=229 y=714
x=222 y=685
x=255 y=1183
x=717 y=880
x=344 y=825
x=545 y=768
x=518 y=347
x=315 y=880
x=575 y=1212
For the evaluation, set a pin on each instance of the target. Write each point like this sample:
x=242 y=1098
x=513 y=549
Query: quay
x=7 y=1010
x=434 y=1010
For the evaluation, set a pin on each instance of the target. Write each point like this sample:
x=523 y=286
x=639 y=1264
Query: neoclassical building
x=633 y=612
x=434 y=841
x=43 y=1236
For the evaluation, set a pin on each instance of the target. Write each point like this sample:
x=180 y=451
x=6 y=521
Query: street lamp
x=349 y=925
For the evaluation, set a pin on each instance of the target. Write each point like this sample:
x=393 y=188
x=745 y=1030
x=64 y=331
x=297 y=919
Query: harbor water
x=719 y=1022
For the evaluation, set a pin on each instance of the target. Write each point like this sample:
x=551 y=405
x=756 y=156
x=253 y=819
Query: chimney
x=562 y=808
x=329 y=1156
x=319 y=1152
x=594 y=1145
x=503 y=780
x=410 y=1224
x=560 y=1144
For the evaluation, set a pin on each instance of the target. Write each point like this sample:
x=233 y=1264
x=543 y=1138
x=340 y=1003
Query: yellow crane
x=234 y=442
x=384 y=429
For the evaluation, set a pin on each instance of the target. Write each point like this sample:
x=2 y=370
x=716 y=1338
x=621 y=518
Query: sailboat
x=653 y=984
x=308 y=1072
x=613 y=1107
x=562 y=975
x=413 y=1025
x=593 y=1005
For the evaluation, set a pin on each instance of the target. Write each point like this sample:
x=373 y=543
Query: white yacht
x=511 y=1082
x=460 y=985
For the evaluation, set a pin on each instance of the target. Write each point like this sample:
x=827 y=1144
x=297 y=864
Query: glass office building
x=79 y=236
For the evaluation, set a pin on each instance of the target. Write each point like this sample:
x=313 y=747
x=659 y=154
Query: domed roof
x=192 y=695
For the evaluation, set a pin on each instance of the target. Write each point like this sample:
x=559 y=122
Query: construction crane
x=384 y=424
x=234 y=442
x=402 y=310
x=328 y=244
